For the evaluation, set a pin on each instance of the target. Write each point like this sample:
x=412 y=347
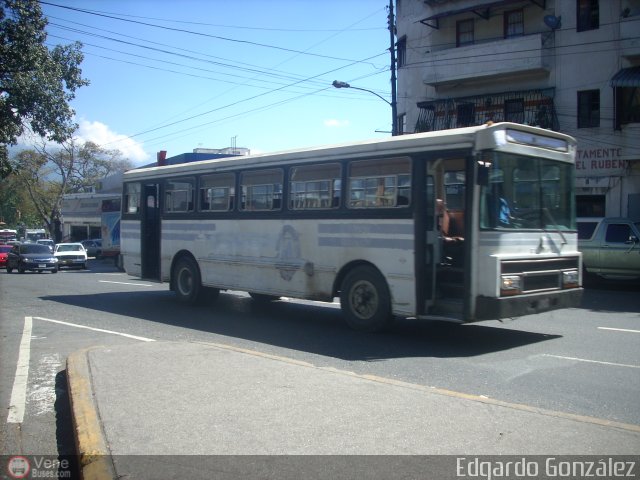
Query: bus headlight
x=511 y=285
x=570 y=279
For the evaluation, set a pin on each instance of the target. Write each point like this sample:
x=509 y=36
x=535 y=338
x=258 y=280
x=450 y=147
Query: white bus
x=459 y=225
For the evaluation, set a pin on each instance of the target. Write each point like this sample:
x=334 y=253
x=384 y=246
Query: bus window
x=454 y=190
x=380 y=183
x=132 y=197
x=179 y=196
x=217 y=192
x=261 y=190
x=315 y=186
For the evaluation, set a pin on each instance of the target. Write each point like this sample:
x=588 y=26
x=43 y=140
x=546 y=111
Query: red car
x=4 y=249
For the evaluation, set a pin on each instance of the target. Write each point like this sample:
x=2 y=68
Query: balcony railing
x=530 y=107
x=504 y=57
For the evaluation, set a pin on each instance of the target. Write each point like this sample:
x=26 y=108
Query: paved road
x=584 y=361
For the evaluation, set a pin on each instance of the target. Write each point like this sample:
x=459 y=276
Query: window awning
x=627 y=77
x=482 y=10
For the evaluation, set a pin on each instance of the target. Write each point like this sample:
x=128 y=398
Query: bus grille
x=540 y=274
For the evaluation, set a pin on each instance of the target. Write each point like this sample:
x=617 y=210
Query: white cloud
x=102 y=135
x=334 y=123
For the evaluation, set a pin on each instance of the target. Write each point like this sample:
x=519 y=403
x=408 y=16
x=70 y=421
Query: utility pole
x=392 y=49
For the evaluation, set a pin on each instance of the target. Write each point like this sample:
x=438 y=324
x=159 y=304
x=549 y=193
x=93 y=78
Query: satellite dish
x=552 y=21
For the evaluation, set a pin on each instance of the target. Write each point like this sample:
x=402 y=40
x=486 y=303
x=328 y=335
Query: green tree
x=36 y=84
x=48 y=173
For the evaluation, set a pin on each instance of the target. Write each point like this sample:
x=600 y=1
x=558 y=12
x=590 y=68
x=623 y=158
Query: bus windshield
x=527 y=193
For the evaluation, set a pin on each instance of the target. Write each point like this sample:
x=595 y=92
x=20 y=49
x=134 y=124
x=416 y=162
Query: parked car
x=610 y=247
x=71 y=255
x=93 y=247
x=4 y=251
x=31 y=256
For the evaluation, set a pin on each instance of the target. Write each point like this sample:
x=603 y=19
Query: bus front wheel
x=187 y=282
x=365 y=300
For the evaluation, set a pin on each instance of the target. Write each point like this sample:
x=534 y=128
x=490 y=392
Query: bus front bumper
x=508 y=307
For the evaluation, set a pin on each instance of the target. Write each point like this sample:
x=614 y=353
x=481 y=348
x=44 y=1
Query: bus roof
x=451 y=139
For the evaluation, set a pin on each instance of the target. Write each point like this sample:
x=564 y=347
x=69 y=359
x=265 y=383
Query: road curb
x=94 y=457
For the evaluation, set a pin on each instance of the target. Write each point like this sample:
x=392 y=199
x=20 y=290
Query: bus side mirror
x=483 y=175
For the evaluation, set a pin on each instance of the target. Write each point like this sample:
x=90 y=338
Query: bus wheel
x=365 y=300
x=188 y=286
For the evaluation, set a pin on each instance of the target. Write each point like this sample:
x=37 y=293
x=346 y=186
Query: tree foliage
x=36 y=84
x=47 y=173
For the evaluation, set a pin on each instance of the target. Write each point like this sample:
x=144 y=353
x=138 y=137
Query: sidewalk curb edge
x=94 y=457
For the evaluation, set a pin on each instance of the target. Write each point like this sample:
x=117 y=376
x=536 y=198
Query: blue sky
x=178 y=75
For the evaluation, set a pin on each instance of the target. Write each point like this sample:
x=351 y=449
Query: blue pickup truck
x=610 y=247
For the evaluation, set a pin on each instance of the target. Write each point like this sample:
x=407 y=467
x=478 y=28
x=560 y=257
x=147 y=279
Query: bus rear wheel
x=365 y=300
x=187 y=282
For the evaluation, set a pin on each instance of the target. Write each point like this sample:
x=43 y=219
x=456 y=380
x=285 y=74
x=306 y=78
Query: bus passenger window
x=217 y=192
x=261 y=190
x=132 y=197
x=178 y=196
x=315 y=187
x=380 y=183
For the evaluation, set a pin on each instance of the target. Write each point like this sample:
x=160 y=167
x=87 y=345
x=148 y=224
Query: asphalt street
x=578 y=362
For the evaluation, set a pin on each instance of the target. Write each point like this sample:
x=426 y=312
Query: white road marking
x=18 y=401
x=19 y=392
x=127 y=283
x=619 y=329
x=591 y=361
x=143 y=339
x=42 y=393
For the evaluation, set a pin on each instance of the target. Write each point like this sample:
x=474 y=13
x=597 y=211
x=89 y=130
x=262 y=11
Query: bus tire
x=365 y=300
x=187 y=283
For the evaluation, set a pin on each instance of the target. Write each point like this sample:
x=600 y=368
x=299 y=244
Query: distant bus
x=8 y=235
x=34 y=234
x=458 y=225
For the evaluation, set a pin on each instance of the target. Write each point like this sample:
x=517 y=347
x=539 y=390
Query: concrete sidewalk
x=171 y=399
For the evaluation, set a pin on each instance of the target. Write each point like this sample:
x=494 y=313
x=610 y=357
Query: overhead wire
x=296 y=82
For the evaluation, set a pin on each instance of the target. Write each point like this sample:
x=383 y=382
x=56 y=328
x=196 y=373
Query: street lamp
x=394 y=123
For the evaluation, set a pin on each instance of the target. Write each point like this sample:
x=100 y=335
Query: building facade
x=568 y=65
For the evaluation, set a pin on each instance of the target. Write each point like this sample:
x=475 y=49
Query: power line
x=218 y=37
x=239 y=27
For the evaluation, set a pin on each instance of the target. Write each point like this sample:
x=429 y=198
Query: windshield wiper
x=555 y=224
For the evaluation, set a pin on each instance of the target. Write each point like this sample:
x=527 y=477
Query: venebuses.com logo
x=19 y=466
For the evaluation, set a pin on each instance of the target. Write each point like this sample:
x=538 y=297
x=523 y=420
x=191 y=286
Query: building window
x=401 y=49
x=514 y=110
x=590 y=206
x=588 y=15
x=589 y=109
x=464 y=33
x=466 y=114
x=627 y=101
x=513 y=23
